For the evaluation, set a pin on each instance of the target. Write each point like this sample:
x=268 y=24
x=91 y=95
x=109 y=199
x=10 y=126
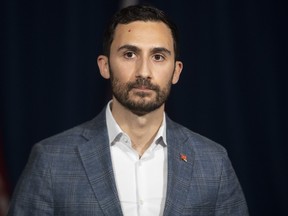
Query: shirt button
x=141 y=202
x=125 y=139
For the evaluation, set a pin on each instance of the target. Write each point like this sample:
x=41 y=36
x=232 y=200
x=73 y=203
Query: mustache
x=142 y=82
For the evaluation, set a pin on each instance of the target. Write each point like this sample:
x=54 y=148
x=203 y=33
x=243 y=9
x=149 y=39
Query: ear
x=177 y=71
x=103 y=66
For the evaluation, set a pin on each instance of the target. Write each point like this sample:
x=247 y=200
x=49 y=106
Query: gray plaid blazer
x=71 y=174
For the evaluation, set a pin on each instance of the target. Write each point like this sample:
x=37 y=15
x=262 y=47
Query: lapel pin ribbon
x=183 y=157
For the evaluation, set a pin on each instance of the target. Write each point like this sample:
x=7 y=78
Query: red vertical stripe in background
x=4 y=194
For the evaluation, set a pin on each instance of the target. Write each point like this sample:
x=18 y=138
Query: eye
x=129 y=54
x=158 y=57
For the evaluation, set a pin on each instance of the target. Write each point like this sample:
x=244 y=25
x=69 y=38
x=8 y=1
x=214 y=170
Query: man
x=131 y=159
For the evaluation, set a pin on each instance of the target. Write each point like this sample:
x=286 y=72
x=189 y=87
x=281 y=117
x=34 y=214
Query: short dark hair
x=138 y=13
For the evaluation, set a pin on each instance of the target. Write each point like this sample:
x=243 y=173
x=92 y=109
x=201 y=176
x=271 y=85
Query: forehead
x=143 y=34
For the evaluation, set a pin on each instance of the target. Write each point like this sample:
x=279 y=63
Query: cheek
x=122 y=71
x=165 y=76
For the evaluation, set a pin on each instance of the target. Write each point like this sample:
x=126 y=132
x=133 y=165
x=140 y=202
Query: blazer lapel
x=96 y=158
x=180 y=168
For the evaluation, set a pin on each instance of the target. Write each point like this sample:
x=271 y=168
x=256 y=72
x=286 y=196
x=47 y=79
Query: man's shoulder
x=196 y=141
x=70 y=138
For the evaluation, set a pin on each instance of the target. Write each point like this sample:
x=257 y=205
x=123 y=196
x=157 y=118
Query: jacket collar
x=180 y=167
x=96 y=159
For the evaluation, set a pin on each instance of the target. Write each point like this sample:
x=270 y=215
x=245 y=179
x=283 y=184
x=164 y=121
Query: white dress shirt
x=141 y=182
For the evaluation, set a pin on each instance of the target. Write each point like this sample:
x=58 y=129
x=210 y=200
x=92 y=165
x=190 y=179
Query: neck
x=141 y=129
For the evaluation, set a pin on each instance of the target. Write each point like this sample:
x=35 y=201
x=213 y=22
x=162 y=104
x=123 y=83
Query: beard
x=140 y=102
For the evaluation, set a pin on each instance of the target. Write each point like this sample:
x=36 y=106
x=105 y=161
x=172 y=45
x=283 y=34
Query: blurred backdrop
x=233 y=89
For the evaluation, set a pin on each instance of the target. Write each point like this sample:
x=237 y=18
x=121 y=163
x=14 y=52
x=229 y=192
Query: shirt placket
x=140 y=186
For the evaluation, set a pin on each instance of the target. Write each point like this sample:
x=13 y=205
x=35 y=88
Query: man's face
x=142 y=65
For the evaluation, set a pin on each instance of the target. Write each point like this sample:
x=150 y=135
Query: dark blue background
x=233 y=87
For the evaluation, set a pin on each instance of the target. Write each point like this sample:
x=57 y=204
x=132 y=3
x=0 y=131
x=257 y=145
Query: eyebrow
x=161 y=50
x=136 y=49
x=129 y=47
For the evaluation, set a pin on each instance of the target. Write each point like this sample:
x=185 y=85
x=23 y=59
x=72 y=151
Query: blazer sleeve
x=33 y=193
x=230 y=199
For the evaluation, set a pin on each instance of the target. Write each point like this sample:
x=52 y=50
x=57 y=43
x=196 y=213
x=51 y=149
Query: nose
x=143 y=68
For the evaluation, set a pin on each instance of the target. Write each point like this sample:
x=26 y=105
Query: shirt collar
x=114 y=130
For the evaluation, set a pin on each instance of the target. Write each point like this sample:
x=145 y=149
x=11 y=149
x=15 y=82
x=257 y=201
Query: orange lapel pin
x=183 y=157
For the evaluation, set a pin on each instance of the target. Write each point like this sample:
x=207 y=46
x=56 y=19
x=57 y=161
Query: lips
x=143 y=87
